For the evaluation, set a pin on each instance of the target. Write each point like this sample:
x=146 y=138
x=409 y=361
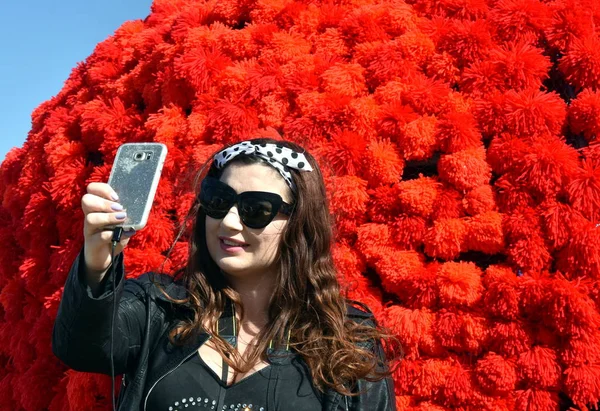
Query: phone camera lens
x=138 y=156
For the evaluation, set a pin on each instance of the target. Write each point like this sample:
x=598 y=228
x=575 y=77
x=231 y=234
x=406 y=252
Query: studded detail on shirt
x=200 y=403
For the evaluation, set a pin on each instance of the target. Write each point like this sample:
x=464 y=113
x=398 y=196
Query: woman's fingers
x=105 y=236
x=102 y=210
x=95 y=222
x=102 y=190
x=100 y=197
x=91 y=203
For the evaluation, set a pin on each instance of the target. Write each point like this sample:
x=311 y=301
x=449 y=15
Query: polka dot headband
x=279 y=157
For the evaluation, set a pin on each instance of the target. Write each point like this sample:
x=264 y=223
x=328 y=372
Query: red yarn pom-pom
x=495 y=375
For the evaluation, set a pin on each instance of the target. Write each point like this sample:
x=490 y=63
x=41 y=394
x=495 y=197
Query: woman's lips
x=232 y=249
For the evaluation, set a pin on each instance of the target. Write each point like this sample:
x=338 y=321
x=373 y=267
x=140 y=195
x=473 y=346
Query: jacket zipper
x=165 y=374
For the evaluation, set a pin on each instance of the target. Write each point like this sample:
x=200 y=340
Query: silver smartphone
x=134 y=177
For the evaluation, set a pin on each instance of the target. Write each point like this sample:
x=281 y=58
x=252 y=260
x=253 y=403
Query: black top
x=284 y=384
x=195 y=386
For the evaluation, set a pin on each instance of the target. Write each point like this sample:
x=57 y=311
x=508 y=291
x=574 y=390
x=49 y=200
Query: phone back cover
x=135 y=181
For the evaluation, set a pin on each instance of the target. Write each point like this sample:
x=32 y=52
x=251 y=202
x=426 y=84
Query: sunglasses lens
x=215 y=201
x=216 y=207
x=256 y=213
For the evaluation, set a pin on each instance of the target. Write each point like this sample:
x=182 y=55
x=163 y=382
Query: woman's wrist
x=93 y=278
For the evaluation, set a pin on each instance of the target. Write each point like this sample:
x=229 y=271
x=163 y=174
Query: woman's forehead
x=255 y=177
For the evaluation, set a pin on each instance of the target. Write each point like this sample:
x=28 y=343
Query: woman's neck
x=255 y=296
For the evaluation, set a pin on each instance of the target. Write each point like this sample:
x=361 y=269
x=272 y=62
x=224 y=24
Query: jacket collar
x=174 y=289
x=178 y=291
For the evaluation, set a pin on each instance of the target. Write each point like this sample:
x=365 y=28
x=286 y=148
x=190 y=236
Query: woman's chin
x=233 y=268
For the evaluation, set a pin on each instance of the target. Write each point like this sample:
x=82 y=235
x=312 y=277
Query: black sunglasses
x=256 y=208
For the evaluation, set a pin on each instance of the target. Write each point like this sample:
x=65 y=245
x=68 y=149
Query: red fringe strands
x=458 y=140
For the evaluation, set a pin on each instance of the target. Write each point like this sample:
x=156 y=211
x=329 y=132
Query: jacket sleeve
x=373 y=395
x=82 y=330
x=378 y=395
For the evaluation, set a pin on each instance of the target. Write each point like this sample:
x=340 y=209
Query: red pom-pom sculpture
x=458 y=140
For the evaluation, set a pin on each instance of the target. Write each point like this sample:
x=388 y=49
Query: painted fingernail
x=120 y=216
x=114 y=196
x=116 y=206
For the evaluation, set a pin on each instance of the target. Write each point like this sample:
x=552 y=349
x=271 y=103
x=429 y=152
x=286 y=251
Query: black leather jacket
x=81 y=338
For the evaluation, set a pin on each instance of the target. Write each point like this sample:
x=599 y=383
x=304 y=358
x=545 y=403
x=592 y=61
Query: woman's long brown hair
x=307 y=300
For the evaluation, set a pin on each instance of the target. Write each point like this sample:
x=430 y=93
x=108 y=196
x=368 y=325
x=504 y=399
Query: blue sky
x=41 y=41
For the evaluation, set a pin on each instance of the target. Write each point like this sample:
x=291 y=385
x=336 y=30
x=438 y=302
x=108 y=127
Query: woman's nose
x=232 y=220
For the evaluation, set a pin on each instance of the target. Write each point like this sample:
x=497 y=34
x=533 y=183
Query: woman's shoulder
x=159 y=284
x=360 y=313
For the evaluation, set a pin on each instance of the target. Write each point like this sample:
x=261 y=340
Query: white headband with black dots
x=281 y=158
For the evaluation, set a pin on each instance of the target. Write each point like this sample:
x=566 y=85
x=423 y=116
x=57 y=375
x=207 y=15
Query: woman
x=255 y=321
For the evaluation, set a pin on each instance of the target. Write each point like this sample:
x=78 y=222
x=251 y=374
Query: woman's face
x=258 y=247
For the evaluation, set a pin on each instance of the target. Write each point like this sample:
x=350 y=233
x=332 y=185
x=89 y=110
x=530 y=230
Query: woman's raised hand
x=101 y=209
